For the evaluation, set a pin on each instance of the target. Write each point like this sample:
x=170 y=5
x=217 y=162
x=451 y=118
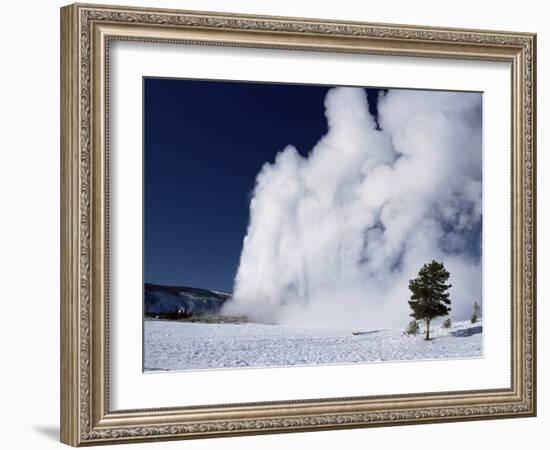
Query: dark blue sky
x=204 y=144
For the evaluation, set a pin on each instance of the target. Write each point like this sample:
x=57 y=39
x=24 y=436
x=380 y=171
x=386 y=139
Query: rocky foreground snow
x=171 y=345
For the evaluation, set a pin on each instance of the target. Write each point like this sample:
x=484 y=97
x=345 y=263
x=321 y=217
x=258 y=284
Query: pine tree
x=429 y=297
x=475 y=313
x=412 y=328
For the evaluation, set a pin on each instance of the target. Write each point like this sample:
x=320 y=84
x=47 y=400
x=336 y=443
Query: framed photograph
x=275 y=224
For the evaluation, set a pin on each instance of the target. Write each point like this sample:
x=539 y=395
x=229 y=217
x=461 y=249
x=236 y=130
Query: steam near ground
x=334 y=237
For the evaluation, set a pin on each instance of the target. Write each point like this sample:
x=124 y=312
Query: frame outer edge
x=69 y=311
x=533 y=136
x=82 y=411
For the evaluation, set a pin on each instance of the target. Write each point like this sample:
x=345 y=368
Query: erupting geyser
x=334 y=237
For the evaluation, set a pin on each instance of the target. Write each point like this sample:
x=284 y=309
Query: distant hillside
x=181 y=301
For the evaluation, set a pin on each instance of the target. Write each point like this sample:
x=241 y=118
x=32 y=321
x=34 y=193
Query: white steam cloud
x=334 y=237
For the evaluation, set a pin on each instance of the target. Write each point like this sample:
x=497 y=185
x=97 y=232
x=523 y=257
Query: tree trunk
x=427 y=329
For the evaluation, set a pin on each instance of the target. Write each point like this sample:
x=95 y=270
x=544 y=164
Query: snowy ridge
x=187 y=300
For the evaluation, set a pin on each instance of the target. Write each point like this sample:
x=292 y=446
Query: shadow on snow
x=468 y=331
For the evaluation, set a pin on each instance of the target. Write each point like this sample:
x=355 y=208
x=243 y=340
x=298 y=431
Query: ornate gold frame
x=86 y=31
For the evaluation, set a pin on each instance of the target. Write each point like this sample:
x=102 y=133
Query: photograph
x=299 y=224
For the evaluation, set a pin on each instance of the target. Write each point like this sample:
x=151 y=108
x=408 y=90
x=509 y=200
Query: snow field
x=170 y=345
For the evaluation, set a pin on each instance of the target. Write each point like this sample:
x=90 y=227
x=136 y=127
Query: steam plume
x=334 y=237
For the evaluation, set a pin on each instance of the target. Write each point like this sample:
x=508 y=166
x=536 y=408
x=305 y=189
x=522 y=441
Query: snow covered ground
x=173 y=345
